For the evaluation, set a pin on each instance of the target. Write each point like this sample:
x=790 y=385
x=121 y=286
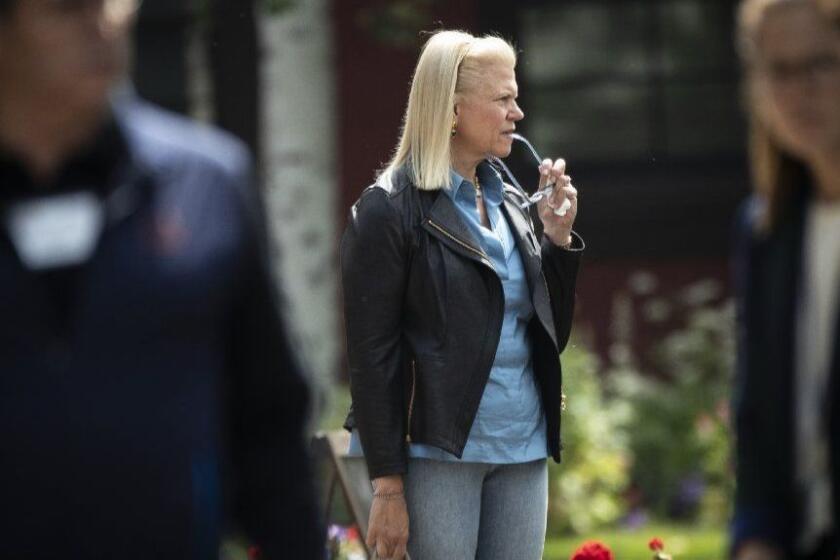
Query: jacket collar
x=492 y=186
x=444 y=214
x=441 y=215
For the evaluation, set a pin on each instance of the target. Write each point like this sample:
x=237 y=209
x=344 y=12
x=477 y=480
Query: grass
x=681 y=542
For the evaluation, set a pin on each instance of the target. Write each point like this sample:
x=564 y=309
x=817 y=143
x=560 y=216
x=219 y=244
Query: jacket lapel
x=782 y=272
x=529 y=250
x=526 y=242
x=445 y=223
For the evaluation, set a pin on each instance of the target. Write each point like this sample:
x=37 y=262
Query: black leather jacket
x=423 y=310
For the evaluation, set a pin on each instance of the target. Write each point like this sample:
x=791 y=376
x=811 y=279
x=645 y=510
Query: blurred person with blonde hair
x=150 y=400
x=456 y=314
x=787 y=395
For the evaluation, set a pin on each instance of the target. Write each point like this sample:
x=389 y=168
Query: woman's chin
x=502 y=151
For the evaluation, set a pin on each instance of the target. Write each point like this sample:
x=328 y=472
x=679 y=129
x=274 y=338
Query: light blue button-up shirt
x=509 y=426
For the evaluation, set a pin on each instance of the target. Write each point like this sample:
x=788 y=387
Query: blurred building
x=641 y=97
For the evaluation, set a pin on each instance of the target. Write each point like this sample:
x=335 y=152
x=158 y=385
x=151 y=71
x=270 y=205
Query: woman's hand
x=556 y=227
x=388 y=522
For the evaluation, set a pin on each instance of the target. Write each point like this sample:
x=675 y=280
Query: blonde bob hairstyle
x=451 y=63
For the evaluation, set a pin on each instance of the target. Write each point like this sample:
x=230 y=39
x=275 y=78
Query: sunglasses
x=540 y=193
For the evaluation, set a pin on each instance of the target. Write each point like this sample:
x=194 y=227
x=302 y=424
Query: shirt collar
x=490 y=180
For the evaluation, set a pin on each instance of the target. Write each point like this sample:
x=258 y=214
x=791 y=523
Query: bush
x=650 y=443
x=586 y=489
x=678 y=430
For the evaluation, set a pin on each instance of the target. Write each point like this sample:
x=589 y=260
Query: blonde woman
x=788 y=392
x=455 y=316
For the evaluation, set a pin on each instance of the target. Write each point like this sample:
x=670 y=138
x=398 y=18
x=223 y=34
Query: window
x=632 y=80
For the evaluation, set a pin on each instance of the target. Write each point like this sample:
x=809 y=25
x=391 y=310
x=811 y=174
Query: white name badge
x=56 y=231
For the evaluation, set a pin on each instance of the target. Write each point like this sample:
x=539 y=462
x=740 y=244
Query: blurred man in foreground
x=149 y=398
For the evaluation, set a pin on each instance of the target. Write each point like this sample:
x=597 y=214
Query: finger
x=557 y=197
x=545 y=172
x=559 y=167
x=392 y=546
x=558 y=179
x=559 y=203
x=382 y=550
x=573 y=205
x=399 y=552
x=566 y=200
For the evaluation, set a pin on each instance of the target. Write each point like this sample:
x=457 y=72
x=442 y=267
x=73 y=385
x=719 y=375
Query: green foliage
x=678 y=428
x=334 y=408
x=708 y=345
x=666 y=437
x=586 y=489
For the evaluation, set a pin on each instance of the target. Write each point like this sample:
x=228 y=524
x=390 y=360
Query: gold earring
x=454 y=128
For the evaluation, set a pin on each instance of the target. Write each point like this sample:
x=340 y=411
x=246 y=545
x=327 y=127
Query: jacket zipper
x=466 y=246
x=485 y=259
x=411 y=401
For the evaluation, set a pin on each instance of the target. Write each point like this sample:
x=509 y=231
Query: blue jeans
x=467 y=511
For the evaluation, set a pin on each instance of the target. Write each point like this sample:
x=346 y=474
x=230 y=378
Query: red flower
x=656 y=544
x=592 y=550
x=254 y=553
x=352 y=533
